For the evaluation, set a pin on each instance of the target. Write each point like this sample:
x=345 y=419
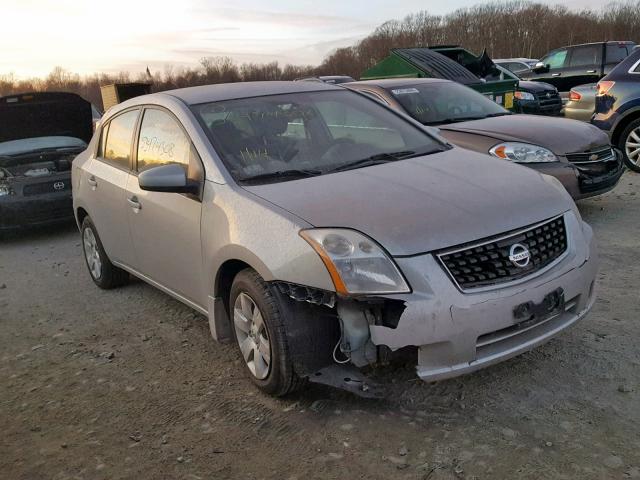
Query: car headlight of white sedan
x=523 y=153
x=356 y=263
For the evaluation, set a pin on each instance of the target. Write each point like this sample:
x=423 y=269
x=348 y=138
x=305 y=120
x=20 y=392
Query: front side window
x=445 y=102
x=587 y=56
x=117 y=147
x=312 y=132
x=555 y=59
x=162 y=141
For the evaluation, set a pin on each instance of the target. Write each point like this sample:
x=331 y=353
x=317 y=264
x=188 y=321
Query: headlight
x=357 y=264
x=524 y=96
x=523 y=153
x=5 y=190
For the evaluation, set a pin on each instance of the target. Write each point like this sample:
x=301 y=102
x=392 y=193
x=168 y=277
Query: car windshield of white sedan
x=284 y=137
x=445 y=102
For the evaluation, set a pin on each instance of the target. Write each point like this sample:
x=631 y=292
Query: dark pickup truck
x=568 y=67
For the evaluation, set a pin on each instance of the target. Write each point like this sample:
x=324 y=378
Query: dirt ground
x=129 y=384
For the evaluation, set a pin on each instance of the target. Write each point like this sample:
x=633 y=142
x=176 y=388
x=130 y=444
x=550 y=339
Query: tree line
x=506 y=29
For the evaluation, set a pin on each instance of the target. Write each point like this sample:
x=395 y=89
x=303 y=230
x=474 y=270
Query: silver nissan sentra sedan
x=321 y=231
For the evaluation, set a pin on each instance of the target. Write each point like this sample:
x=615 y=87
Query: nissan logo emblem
x=58 y=185
x=519 y=255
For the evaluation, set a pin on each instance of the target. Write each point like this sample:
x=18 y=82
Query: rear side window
x=616 y=53
x=117 y=147
x=586 y=56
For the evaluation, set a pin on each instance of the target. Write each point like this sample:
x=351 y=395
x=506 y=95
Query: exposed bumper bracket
x=348 y=378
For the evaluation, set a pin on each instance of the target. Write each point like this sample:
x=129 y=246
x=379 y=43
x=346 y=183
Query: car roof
x=231 y=91
x=397 y=82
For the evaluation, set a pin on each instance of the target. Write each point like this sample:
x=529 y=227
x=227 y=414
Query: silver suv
x=317 y=228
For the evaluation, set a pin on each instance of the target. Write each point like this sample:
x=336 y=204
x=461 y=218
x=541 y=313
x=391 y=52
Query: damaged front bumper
x=458 y=332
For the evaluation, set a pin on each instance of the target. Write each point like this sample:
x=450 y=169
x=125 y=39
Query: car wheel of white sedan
x=630 y=145
x=260 y=334
x=103 y=273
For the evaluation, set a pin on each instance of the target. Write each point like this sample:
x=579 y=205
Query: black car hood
x=45 y=114
x=535 y=87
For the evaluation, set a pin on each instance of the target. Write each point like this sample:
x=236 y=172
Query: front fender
x=237 y=225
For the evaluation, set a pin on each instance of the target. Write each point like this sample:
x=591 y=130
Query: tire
x=103 y=273
x=631 y=135
x=256 y=322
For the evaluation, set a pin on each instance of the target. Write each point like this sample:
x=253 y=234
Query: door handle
x=92 y=182
x=591 y=71
x=556 y=74
x=134 y=203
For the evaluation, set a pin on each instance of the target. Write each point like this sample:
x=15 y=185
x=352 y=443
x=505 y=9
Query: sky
x=86 y=36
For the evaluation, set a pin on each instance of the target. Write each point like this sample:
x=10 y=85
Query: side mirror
x=166 y=178
x=540 y=67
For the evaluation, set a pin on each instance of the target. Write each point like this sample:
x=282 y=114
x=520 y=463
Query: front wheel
x=260 y=335
x=630 y=145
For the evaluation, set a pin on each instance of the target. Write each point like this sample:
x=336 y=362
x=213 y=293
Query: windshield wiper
x=382 y=158
x=373 y=160
x=498 y=114
x=466 y=119
x=288 y=174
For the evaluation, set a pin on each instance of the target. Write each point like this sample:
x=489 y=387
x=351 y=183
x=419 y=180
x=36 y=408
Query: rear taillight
x=604 y=87
x=574 y=96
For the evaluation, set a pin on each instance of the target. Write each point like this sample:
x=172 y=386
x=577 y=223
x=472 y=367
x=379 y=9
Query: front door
x=165 y=227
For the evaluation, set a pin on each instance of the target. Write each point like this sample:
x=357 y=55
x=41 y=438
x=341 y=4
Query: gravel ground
x=129 y=384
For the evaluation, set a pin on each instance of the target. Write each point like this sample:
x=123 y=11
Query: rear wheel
x=103 y=273
x=260 y=335
x=630 y=145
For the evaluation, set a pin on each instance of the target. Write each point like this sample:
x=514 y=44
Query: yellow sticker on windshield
x=508 y=100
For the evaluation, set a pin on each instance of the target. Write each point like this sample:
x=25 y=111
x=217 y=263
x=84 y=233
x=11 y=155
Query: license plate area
x=530 y=313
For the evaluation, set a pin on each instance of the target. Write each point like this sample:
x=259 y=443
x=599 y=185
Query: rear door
x=106 y=175
x=584 y=66
x=165 y=227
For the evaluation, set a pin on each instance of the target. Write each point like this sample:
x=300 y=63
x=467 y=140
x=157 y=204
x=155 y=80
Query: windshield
x=279 y=137
x=445 y=102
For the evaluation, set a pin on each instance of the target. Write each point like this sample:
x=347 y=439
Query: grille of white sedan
x=507 y=257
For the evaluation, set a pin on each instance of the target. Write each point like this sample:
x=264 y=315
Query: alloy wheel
x=632 y=146
x=252 y=336
x=92 y=254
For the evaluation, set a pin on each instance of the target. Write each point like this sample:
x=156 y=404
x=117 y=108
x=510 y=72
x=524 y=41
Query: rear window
x=616 y=53
x=117 y=147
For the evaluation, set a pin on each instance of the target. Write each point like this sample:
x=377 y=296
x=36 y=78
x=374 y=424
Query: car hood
x=45 y=114
x=560 y=135
x=535 y=87
x=423 y=204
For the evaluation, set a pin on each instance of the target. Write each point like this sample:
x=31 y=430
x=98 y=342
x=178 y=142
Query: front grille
x=46 y=187
x=550 y=102
x=486 y=263
x=600 y=154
